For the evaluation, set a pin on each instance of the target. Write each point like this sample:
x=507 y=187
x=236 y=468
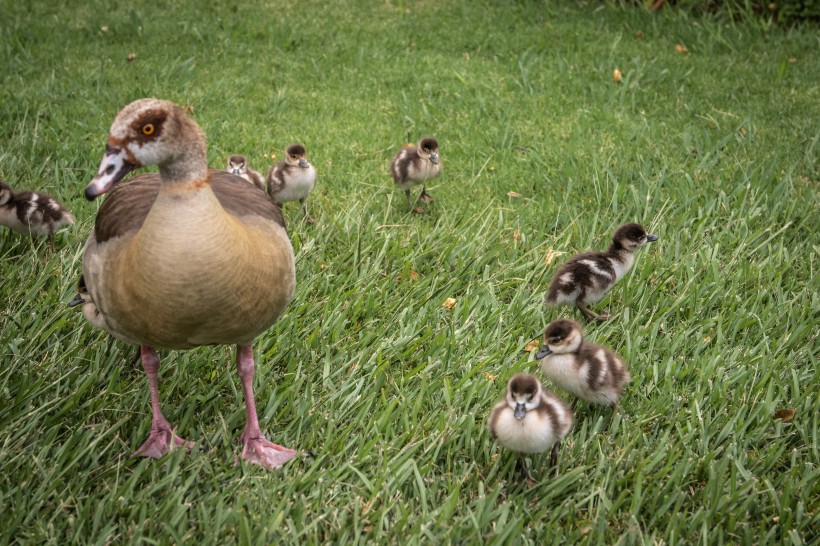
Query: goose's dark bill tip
x=542 y=352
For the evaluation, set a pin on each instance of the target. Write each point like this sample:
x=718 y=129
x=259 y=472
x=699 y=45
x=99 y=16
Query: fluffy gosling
x=414 y=165
x=238 y=165
x=587 y=277
x=529 y=420
x=32 y=213
x=292 y=179
x=589 y=371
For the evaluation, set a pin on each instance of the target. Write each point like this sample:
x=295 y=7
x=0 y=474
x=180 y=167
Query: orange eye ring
x=148 y=129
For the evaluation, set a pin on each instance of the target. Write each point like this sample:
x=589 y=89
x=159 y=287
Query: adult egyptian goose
x=238 y=165
x=589 y=371
x=530 y=420
x=32 y=213
x=184 y=258
x=292 y=179
x=588 y=276
x=414 y=165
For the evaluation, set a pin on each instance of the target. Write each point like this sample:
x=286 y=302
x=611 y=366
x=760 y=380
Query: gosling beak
x=651 y=238
x=113 y=168
x=434 y=159
x=78 y=299
x=304 y=164
x=520 y=411
x=542 y=352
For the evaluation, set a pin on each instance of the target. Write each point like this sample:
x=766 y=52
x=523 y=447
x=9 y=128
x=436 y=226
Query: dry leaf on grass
x=490 y=377
x=785 y=415
x=551 y=255
x=616 y=75
x=516 y=234
x=449 y=303
x=413 y=276
x=532 y=345
x=681 y=48
x=513 y=194
x=131 y=57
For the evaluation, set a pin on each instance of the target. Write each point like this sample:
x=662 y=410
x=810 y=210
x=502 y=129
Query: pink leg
x=256 y=448
x=162 y=437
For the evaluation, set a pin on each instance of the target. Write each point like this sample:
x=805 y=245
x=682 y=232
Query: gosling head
x=295 y=155
x=428 y=149
x=561 y=336
x=523 y=394
x=631 y=237
x=237 y=165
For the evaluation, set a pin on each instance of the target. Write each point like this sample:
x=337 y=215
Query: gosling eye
x=555 y=340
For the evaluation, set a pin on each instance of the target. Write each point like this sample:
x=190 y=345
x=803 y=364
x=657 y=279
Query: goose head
x=561 y=336
x=631 y=237
x=295 y=155
x=151 y=132
x=237 y=164
x=428 y=149
x=523 y=394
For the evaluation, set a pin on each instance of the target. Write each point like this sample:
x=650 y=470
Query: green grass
x=715 y=150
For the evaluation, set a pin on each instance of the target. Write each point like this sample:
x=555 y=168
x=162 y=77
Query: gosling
x=589 y=371
x=414 y=165
x=238 y=165
x=530 y=420
x=588 y=276
x=292 y=179
x=32 y=213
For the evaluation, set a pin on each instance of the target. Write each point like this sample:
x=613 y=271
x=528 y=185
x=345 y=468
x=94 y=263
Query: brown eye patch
x=149 y=125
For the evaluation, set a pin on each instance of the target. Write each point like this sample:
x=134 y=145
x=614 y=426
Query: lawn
x=710 y=140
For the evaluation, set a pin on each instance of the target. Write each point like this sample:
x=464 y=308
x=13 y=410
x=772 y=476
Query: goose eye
x=555 y=340
x=148 y=129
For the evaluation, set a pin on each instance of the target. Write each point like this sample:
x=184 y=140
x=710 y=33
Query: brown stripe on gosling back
x=128 y=203
x=547 y=407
